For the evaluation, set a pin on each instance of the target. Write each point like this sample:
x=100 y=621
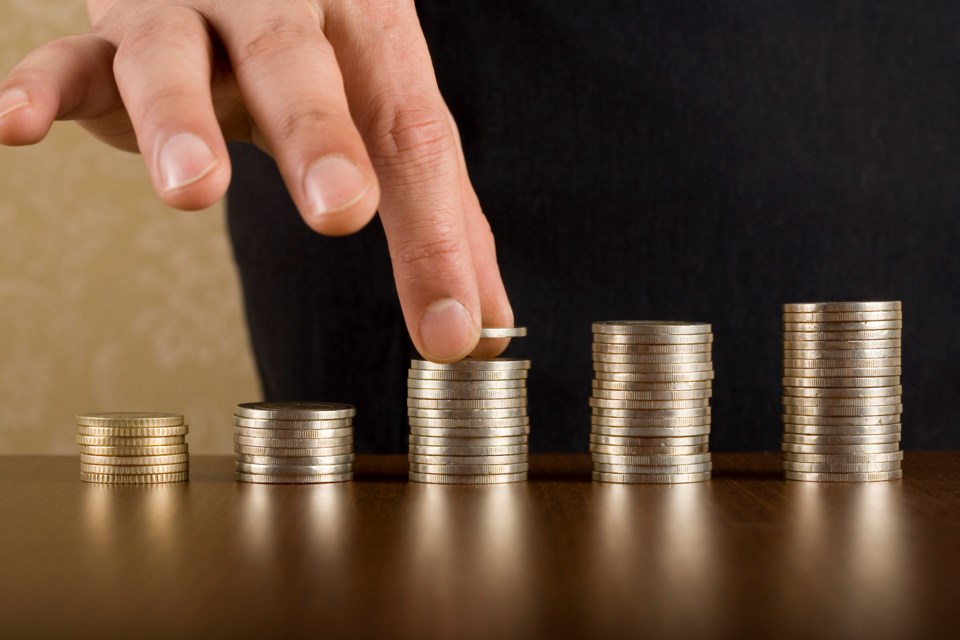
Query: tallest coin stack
x=841 y=391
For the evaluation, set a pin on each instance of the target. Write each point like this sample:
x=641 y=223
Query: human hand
x=341 y=93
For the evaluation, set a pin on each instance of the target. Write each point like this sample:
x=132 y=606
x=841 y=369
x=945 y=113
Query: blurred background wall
x=109 y=300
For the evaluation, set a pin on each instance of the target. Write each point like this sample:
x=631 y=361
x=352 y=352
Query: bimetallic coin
x=821 y=336
x=503 y=332
x=467 y=376
x=291 y=470
x=620 y=421
x=841 y=402
x=477 y=414
x=305 y=434
x=651 y=338
x=648 y=441
x=133 y=432
x=852 y=363
x=857 y=467
x=467 y=432
x=841 y=316
x=279 y=452
x=298 y=461
x=841 y=421
x=129 y=419
x=293 y=443
x=154 y=478
x=134 y=451
x=653 y=387
x=820 y=430
x=879 y=410
x=435 y=460
x=840 y=382
x=843 y=458
x=654 y=358
x=468 y=443
x=295 y=425
x=848 y=392
x=833 y=354
x=649 y=478
x=641 y=348
x=471 y=423
x=825 y=439
x=616 y=394
x=257 y=478
x=645 y=470
x=466 y=385
x=656 y=460
x=646 y=452
x=842 y=307
x=496 y=403
x=142 y=469
x=295 y=410
x=622 y=403
x=842 y=345
x=840 y=448
x=455 y=452
x=469 y=469
x=653 y=414
x=851 y=372
x=469 y=364
x=119 y=441
x=880 y=476
x=475 y=394
x=696 y=376
x=651 y=432
x=614 y=367
x=671 y=327
x=111 y=460
x=433 y=478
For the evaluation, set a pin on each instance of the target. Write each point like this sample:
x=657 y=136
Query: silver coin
x=871 y=372
x=841 y=402
x=855 y=467
x=468 y=443
x=649 y=478
x=642 y=348
x=821 y=336
x=645 y=469
x=295 y=410
x=840 y=448
x=469 y=469
x=842 y=307
x=503 y=332
x=133 y=432
x=615 y=421
x=842 y=345
x=466 y=432
x=296 y=425
x=653 y=387
x=660 y=378
x=436 y=460
x=621 y=403
x=306 y=434
x=495 y=403
x=497 y=364
x=293 y=443
x=448 y=423
x=175 y=458
x=798 y=438
x=657 y=327
x=844 y=477
x=631 y=451
x=651 y=432
x=862 y=325
x=651 y=338
x=467 y=376
x=843 y=458
x=848 y=392
x=841 y=382
x=468 y=385
x=818 y=430
x=655 y=460
x=824 y=363
x=649 y=442
x=615 y=367
x=841 y=421
x=841 y=316
x=653 y=414
x=259 y=478
x=434 y=478
x=129 y=419
x=879 y=410
x=293 y=470
x=846 y=354
x=438 y=451
x=280 y=452
x=616 y=394
x=653 y=358
x=298 y=461
x=478 y=414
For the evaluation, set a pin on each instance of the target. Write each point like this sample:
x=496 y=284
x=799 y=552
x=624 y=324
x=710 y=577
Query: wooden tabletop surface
x=745 y=555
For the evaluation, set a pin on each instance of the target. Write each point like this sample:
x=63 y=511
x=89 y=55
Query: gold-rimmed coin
x=841 y=382
x=129 y=419
x=800 y=438
x=140 y=469
x=161 y=450
x=834 y=335
x=848 y=392
x=873 y=401
x=858 y=412
x=133 y=432
x=840 y=448
x=842 y=307
x=141 y=479
x=654 y=405
x=841 y=316
x=846 y=354
x=820 y=430
x=850 y=372
x=120 y=441
x=844 y=363
x=114 y=460
x=841 y=421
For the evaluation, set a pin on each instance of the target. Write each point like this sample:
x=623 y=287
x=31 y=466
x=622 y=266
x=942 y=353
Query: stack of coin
x=651 y=402
x=132 y=448
x=468 y=420
x=294 y=442
x=841 y=391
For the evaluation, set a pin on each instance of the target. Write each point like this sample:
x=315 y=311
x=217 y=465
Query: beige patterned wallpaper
x=109 y=300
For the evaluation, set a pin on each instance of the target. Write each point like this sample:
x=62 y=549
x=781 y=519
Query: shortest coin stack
x=294 y=442
x=841 y=391
x=132 y=448
x=650 y=403
x=468 y=420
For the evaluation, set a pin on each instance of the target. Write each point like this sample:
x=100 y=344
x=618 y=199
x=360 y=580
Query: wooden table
x=746 y=555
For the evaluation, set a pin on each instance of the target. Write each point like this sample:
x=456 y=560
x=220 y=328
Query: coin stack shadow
x=294 y=442
x=650 y=402
x=133 y=448
x=841 y=391
x=468 y=421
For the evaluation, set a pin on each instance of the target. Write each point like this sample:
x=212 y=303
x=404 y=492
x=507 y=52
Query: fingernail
x=333 y=183
x=446 y=330
x=184 y=159
x=11 y=100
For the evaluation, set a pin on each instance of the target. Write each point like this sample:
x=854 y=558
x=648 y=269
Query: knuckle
x=177 y=26
x=301 y=121
x=276 y=38
x=411 y=132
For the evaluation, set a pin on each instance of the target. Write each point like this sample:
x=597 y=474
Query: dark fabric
x=654 y=159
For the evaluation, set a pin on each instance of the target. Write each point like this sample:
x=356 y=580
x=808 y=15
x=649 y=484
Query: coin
x=856 y=354
x=133 y=432
x=646 y=451
x=495 y=403
x=831 y=439
x=289 y=479
x=616 y=394
x=280 y=452
x=466 y=375
x=841 y=316
x=296 y=425
x=840 y=448
x=841 y=402
x=842 y=345
x=134 y=451
x=649 y=441
x=435 y=460
x=610 y=403
x=854 y=467
x=815 y=430
x=820 y=336
x=879 y=410
x=861 y=325
x=116 y=460
x=471 y=365
x=832 y=363
x=129 y=419
x=295 y=410
x=651 y=432
x=154 y=478
x=848 y=392
x=467 y=432
x=292 y=470
x=601 y=467
x=615 y=367
x=655 y=460
x=640 y=348
x=653 y=387
x=696 y=376
x=842 y=421
x=476 y=394
x=649 y=478
x=293 y=443
x=842 y=307
x=844 y=477
x=431 y=478
x=451 y=423
x=297 y=461
x=619 y=421
x=650 y=338
x=498 y=441
x=413 y=412
x=843 y=458
x=653 y=358
x=670 y=327
x=850 y=372
x=119 y=441
x=144 y=469
x=503 y=332
x=841 y=382
x=468 y=469
x=441 y=451
x=654 y=414
x=305 y=434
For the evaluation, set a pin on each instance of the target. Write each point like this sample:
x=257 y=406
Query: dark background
x=653 y=160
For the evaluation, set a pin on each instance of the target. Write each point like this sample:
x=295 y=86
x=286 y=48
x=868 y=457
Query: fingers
x=70 y=78
x=290 y=81
x=163 y=70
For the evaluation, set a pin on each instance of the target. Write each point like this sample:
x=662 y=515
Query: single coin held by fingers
x=503 y=332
